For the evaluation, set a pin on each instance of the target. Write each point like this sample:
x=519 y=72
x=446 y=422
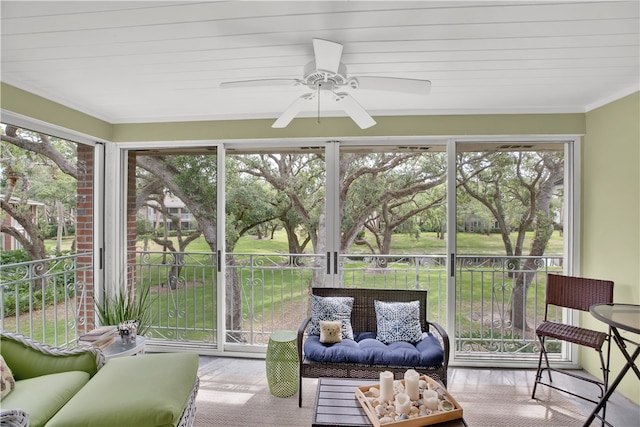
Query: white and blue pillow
x=331 y=309
x=398 y=321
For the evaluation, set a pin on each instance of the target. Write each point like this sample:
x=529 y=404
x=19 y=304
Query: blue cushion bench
x=367 y=350
x=365 y=356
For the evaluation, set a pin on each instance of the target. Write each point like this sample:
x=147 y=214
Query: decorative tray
x=448 y=409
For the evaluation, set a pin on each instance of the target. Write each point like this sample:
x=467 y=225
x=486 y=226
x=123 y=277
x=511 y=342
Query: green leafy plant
x=127 y=306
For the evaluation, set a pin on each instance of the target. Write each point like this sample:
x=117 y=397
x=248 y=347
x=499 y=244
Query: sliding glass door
x=275 y=241
x=172 y=234
x=510 y=224
x=391 y=218
x=477 y=223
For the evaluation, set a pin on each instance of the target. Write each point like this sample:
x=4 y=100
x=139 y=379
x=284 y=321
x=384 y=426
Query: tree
x=156 y=201
x=410 y=186
x=58 y=192
x=373 y=187
x=388 y=191
x=300 y=179
x=517 y=188
x=24 y=154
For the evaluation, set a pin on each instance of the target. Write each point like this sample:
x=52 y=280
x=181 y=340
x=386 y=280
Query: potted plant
x=126 y=306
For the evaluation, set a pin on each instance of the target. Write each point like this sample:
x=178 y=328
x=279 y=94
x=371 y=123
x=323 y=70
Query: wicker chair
x=574 y=293
x=363 y=318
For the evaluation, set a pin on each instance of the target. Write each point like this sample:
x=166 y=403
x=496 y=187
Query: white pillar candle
x=411 y=379
x=403 y=403
x=386 y=386
x=430 y=398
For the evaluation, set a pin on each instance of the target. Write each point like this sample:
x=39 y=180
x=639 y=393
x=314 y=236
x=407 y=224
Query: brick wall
x=84 y=237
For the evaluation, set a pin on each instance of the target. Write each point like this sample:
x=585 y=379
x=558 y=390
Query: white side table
x=118 y=349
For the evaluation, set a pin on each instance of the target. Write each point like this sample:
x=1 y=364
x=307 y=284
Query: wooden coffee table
x=337 y=405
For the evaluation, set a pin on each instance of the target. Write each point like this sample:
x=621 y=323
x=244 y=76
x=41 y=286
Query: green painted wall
x=503 y=124
x=610 y=239
x=36 y=107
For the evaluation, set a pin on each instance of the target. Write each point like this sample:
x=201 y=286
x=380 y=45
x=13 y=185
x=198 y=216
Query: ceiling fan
x=327 y=75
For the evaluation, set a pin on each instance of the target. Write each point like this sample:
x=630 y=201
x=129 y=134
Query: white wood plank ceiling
x=142 y=61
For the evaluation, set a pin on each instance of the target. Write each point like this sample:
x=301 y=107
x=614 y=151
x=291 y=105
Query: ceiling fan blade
x=355 y=110
x=293 y=110
x=394 y=84
x=327 y=55
x=261 y=82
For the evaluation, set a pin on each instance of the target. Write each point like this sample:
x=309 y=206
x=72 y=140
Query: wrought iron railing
x=42 y=299
x=269 y=292
x=427 y=272
x=499 y=303
x=183 y=294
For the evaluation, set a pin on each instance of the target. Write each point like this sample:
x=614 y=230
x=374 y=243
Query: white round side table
x=118 y=349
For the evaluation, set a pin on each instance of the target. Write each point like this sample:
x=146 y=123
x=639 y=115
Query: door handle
x=452 y=264
x=328 y=262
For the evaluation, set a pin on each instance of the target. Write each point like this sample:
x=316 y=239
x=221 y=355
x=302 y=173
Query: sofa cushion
x=331 y=309
x=41 y=397
x=398 y=321
x=367 y=350
x=27 y=362
x=7 y=383
x=143 y=391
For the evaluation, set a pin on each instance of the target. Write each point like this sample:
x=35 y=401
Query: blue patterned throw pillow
x=331 y=309
x=398 y=321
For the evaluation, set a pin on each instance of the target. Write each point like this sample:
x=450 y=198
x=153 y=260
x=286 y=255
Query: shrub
x=126 y=306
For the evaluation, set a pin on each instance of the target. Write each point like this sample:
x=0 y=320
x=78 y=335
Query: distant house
x=8 y=242
x=472 y=223
x=176 y=208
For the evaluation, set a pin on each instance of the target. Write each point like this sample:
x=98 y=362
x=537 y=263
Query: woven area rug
x=512 y=406
x=235 y=400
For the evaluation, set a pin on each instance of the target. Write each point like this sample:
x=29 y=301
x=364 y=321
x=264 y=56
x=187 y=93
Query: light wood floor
x=621 y=412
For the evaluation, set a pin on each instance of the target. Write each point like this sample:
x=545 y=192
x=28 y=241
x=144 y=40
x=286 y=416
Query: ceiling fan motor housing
x=312 y=76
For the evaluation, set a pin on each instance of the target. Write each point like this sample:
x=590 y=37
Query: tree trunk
x=233 y=304
x=543 y=229
x=386 y=247
x=292 y=241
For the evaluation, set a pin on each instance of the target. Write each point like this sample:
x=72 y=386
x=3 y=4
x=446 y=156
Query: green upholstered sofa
x=75 y=387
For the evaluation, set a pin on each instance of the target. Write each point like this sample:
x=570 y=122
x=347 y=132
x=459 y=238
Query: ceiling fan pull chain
x=318 y=96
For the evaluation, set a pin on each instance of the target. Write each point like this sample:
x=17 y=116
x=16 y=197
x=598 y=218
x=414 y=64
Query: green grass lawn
x=425 y=243
x=65 y=246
